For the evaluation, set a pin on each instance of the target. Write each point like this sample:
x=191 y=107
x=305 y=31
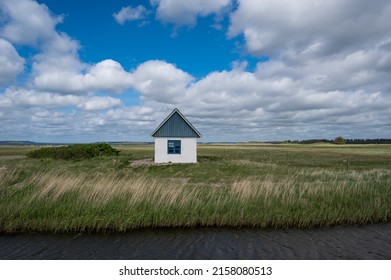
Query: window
x=173 y=146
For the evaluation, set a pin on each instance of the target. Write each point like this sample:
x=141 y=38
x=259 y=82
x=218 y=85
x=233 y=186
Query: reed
x=62 y=200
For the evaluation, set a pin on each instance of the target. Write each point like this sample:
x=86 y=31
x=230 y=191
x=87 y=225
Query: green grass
x=257 y=185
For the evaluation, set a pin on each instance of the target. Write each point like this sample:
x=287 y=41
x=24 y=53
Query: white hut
x=176 y=140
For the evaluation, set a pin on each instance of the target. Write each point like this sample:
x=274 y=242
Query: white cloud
x=99 y=103
x=161 y=81
x=362 y=69
x=11 y=64
x=272 y=102
x=276 y=100
x=27 y=21
x=19 y=98
x=328 y=68
x=57 y=67
x=49 y=118
x=130 y=14
x=107 y=75
x=181 y=12
x=329 y=27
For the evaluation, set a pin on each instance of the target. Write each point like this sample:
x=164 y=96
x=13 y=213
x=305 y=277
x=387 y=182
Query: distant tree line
x=347 y=141
x=368 y=141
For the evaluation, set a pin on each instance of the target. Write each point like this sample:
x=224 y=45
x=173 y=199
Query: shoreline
x=196 y=227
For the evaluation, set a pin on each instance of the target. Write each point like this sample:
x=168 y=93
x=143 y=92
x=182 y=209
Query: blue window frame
x=173 y=146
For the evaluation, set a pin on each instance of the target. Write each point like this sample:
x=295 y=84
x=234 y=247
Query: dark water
x=340 y=242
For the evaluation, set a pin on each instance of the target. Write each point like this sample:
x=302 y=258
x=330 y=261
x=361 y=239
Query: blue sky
x=240 y=70
x=196 y=50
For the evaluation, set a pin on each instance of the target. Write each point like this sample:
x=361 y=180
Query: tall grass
x=61 y=200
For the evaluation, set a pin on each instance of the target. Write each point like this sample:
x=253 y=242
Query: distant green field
x=261 y=185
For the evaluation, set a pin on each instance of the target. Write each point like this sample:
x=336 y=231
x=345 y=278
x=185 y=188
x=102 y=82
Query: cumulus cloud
x=20 y=98
x=343 y=94
x=27 y=21
x=11 y=64
x=271 y=101
x=323 y=27
x=328 y=67
x=106 y=75
x=130 y=13
x=186 y=12
x=161 y=81
x=57 y=67
x=99 y=103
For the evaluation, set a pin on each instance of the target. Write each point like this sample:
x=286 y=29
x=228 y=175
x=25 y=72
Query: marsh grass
x=250 y=187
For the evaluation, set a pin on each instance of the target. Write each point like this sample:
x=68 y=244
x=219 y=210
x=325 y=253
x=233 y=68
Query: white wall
x=188 y=151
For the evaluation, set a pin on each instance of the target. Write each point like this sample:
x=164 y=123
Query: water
x=340 y=242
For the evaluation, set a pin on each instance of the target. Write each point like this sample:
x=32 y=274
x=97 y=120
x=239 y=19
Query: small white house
x=176 y=140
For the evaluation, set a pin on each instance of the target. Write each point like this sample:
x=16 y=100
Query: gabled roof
x=176 y=125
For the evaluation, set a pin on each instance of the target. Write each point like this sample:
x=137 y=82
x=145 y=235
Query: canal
x=338 y=242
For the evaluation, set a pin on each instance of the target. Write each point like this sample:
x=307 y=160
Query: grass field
x=260 y=185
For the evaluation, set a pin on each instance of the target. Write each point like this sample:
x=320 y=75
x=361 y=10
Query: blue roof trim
x=176 y=125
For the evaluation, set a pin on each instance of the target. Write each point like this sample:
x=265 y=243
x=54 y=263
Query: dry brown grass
x=102 y=188
x=99 y=188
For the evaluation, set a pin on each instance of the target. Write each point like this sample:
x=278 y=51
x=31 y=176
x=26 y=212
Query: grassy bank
x=232 y=185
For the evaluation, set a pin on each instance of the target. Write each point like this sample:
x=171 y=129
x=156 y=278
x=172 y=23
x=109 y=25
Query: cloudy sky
x=240 y=70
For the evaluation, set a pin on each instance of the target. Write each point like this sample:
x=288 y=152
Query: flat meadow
x=234 y=185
